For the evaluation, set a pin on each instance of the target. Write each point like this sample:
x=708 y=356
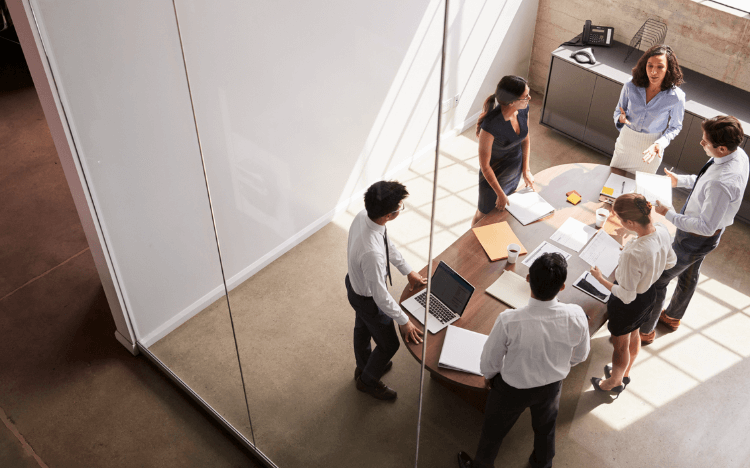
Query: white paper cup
x=601 y=217
x=513 y=251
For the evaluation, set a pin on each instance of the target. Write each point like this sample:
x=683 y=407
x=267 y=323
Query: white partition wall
x=121 y=81
x=302 y=105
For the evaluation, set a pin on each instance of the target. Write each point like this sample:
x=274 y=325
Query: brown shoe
x=647 y=338
x=379 y=391
x=668 y=321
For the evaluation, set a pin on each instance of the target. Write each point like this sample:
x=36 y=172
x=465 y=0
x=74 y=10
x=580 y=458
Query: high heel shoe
x=608 y=374
x=596 y=381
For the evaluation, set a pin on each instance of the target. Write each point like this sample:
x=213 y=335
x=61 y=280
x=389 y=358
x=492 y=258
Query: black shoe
x=379 y=391
x=358 y=371
x=608 y=374
x=596 y=381
x=464 y=460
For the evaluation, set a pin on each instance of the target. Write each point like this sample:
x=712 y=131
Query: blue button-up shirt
x=663 y=114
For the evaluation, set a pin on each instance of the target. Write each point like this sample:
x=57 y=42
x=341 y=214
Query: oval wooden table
x=469 y=259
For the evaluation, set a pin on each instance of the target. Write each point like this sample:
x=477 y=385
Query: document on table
x=654 y=187
x=573 y=234
x=528 y=206
x=603 y=252
x=617 y=185
x=462 y=350
x=510 y=288
x=544 y=247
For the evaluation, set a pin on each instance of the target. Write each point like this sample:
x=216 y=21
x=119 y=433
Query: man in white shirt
x=527 y=355
x=368 y=255
x=713 y=202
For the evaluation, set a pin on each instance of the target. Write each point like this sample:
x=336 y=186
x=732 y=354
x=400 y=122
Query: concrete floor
x=70 y=395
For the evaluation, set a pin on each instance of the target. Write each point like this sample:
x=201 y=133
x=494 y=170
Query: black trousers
x=371 y=323
x=504 y=405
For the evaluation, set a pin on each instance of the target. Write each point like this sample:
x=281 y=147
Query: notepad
x=617 y=185
x=462 y=350
x=528 y=206
x=495 y=239
x=603 y=252
x=510 y=288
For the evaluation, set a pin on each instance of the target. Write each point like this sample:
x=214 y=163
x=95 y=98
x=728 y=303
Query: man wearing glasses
x=369 y=255
x=713 y=202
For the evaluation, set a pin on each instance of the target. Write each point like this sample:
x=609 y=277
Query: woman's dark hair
x=724 y=130
x=547 y=275
x=509 y=89
x=674 y=73
x=633 y=207
x=383 y=197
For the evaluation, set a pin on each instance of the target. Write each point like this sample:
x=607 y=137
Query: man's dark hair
x=547 y=275
x=724 y=130
x=383 y=197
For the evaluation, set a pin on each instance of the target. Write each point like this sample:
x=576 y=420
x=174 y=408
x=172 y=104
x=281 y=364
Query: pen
x=623 y=187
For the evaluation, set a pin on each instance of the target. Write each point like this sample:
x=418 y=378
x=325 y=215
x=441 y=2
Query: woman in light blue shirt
x=650 y=111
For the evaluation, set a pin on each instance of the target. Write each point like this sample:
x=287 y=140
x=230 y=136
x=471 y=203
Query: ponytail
x=489 y=104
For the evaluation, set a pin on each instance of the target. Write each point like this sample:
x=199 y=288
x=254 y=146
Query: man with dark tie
x=713 y=202
x=369 y=255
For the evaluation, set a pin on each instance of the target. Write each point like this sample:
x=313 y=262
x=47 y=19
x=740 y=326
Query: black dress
x=506 y=160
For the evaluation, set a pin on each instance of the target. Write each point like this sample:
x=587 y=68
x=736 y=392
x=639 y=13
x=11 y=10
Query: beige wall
x=706 y=40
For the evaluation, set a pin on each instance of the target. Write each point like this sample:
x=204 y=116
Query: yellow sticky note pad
x=608 y=191
x=574 y=198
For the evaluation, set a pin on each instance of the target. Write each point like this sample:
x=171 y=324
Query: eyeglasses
x=401 y=207
x=526 y=99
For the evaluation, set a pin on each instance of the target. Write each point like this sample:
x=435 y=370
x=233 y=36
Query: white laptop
x=450 y=295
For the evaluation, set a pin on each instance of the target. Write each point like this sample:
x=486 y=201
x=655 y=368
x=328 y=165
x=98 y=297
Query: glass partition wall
x=277 y=117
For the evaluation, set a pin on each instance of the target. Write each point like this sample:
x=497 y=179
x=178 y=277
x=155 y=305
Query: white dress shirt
x=366 y=260
x=642 y=262
x=536 y=345
x=716 y=197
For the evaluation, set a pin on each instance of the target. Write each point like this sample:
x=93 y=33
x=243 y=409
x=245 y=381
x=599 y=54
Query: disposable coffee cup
x=513 y=251
x=601 y=217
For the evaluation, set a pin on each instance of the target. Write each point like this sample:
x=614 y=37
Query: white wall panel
x=119 y=70
x=301 y=105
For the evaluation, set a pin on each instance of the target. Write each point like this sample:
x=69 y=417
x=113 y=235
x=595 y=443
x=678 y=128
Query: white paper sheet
x=542 y=249
x=603 y=251
x=654 y=187
x=573 y=234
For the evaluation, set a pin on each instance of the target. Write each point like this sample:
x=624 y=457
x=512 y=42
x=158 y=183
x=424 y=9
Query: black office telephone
x=597 y=35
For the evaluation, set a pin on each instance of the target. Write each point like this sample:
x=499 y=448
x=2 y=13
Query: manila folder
x=495 y=239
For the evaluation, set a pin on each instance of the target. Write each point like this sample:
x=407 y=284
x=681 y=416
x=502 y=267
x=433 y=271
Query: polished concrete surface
x=70 y=395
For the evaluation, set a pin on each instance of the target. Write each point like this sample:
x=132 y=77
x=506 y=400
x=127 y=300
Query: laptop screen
x=451 y=289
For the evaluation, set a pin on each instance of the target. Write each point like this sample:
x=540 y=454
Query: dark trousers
x=690 y=250
x=504 y=405
x=371 y=323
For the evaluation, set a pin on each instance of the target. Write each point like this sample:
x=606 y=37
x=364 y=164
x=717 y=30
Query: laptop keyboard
x=437 y=309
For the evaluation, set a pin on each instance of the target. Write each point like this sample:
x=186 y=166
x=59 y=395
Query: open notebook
x=462 y=350
x=510 y=288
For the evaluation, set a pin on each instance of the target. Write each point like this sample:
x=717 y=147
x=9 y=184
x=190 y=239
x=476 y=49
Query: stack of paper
x=511 y=289
x=495 y=239
x=544 y=247
x=654 y=187
x=462 y=350
x=617 y=185
x=528 y=206
x=573 y=234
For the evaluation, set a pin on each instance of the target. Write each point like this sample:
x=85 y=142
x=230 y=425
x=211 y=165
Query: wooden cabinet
x=601 y=132
x=568 y=98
